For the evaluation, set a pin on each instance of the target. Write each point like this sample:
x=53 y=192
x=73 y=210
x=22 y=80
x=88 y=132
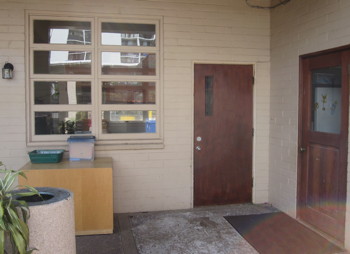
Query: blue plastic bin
x=81 y=148
x=150 y=126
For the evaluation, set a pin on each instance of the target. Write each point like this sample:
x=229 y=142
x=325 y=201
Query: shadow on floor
x=101 y=244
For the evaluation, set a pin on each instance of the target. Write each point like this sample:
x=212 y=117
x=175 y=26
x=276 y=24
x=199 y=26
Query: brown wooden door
x=223 y=122
x=323 y=141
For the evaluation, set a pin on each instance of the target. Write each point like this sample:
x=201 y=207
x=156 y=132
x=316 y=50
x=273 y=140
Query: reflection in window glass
x=128 y=34
x=128 y=92
x=129 y=121
x=62 y=92
x=62 y=32
x=326 y=106
x=66 y=122
x=122 y=63
x=62 y=62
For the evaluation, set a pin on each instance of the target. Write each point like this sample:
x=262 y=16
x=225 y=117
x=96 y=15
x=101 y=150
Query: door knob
x=302 y=149
x=199 y=139
x=198 y=148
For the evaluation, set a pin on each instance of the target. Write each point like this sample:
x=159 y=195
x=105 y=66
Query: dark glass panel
x=62 y=32
x=127 y=92
x=64 y=122
x=129 y=121
x=128 y=34
x=209 y=96
x=62 y=62
x=122 y=63
x=62 y=92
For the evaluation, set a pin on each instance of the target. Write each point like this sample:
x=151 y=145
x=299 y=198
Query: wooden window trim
x=105 y=141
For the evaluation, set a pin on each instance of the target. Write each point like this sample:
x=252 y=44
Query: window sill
x=100 y=145
x=129 y=147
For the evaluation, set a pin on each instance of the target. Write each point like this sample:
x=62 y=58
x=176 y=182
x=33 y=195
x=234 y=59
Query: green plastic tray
x=46 y=156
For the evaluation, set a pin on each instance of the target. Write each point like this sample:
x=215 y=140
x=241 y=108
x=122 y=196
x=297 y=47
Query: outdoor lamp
x=7 y=71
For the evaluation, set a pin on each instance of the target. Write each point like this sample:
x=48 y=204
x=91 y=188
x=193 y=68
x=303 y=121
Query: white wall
x=297 y=28
x=221 y=31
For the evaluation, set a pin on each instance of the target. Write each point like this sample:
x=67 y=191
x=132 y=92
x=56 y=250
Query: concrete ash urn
x=51 y=223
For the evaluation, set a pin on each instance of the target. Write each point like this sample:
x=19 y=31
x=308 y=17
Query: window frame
x=96 y=78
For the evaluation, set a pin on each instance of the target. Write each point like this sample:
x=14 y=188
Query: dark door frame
x=301 y=114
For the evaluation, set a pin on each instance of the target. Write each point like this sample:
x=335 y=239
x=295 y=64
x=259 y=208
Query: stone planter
x=51 y=223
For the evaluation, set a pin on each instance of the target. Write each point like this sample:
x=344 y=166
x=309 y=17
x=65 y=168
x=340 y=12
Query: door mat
x=277 y=233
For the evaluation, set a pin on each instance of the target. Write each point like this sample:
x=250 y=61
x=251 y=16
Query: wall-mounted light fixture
x=7 y=71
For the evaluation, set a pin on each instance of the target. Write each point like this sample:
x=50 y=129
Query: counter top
x=99 y=162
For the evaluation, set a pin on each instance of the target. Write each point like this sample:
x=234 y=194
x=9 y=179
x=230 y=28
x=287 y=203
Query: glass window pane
x=326 y=106
x=121 y=63
x=62 y=32
x=66 y=122
x=62 y=92
x=62 y=62
x=128 y=34
x=209 y=95
x=129 y=121
x=124 y=92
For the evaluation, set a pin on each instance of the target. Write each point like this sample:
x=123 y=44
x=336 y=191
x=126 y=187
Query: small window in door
x=326 y=100
x=209 y=95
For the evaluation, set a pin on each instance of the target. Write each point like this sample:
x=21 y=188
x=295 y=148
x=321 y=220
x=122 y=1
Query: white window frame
x=96 y=78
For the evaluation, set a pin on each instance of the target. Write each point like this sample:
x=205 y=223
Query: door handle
x=302 y=149
x=198 y=148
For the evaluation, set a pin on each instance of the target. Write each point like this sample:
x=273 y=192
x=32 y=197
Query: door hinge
x=253 y=80
x=252 y=132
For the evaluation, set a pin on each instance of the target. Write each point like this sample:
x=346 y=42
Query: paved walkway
x=190 y=231
x=193 y=231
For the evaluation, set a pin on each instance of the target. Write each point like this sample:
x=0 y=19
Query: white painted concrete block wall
x=221 y=31
x=297 y=28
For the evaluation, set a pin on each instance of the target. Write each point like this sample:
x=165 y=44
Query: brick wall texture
x=194 y=31
x=222 y=31
x=298 y=28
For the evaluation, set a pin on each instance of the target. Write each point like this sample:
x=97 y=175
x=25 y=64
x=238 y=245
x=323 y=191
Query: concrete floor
x=199 y=230
x=102 y=244
x=195 y=231
x=191 y=231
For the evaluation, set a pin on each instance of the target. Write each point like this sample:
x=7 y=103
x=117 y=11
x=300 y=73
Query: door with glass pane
x=223 y=121
x=323 y=142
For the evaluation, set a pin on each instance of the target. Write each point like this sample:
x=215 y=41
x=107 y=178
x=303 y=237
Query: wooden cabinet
x=91 y=183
